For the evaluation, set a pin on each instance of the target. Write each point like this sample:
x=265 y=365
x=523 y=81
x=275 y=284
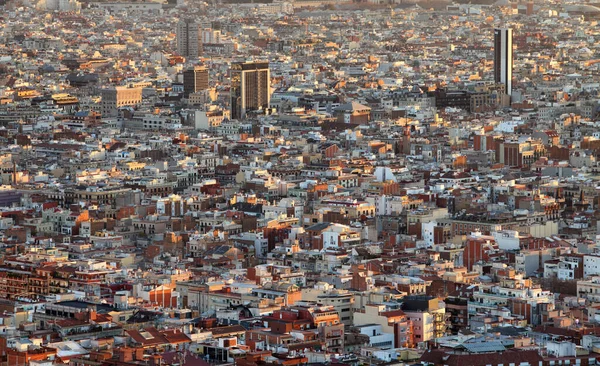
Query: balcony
x=438 y=317
x=336 y=334
x=475 y=307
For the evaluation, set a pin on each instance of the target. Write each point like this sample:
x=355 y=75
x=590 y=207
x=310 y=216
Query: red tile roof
x=153 y=337
x=175 y=336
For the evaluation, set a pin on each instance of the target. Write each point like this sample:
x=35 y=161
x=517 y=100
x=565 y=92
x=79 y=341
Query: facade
x=325 y=294
x=250 y=88
x=353 y=113
x=395 y=324
x=188 y=41
x=195 y=79
x=533 y=304
x=503 y=57
x=377 y=338
x=428 y=318
x=117 y=97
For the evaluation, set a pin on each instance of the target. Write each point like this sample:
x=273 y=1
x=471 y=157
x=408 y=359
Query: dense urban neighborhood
x=302 y=182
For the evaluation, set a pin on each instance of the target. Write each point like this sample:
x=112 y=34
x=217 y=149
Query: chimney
x=139 y=354
x=80 y=315
x=155 y=360
x=126 y=354
x=91 y=312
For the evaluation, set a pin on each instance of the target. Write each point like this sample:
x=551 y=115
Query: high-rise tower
x=188 y=41
x=195 y=79
x=503 y=58
x=250 y=87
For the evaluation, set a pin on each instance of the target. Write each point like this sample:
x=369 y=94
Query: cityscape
x=299 y=182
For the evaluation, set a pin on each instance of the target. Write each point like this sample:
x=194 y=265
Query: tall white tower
x=503 y=57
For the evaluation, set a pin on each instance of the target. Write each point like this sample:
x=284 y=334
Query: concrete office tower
x=503 y=58
x=211 y=36
x=188 y=42
x=250 y=87
x=63 y=5
x=195 y=79
x=119 y=96
x=529 y=8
